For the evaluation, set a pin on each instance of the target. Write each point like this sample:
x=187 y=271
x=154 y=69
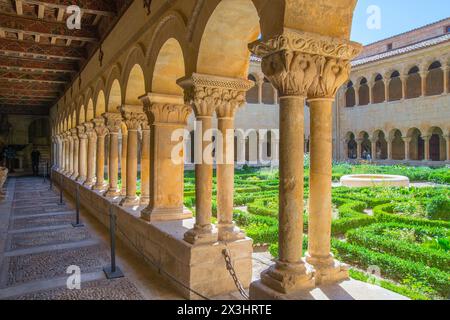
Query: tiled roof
x=399 y=51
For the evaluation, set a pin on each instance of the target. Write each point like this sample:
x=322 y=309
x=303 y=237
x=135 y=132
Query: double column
x=101 y=133
x=82 y=157
x=91 y=151
x=113 y=123
x=167 y=116
x=299 y=71
x=133 y=116
x=76 y=148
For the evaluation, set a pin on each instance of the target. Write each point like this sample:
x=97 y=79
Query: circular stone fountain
x=374 y=180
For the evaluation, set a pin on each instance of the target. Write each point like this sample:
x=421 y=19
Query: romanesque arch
x=437 y=147
x=413 y=83
x=90 y=112
x=252 y=94
x=416 y=144
x=395 y=87
x=81 y=115
x=381 y=145
x=378 y=90
x=397 y=144
x=366 y=144
x=113 y=90
x=134 y=80
x=100 y=104
x=350 y=100
x=352 y=146
x=364 y=97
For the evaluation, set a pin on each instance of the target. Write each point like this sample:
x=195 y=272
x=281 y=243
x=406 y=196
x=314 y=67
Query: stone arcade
x=188 y=59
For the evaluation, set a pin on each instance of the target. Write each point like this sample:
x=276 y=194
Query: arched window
x=252 y=94
x=268 y=92
x=350 y=100
x=395 y=87
x=435 y=79
x=413 y=84
x=378 y=90
x=364 y=93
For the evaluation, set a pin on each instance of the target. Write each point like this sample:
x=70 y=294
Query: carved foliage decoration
x=168 y=113
x=332 y=74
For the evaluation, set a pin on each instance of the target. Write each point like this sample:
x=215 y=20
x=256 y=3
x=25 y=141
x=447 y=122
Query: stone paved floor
x=38 y=244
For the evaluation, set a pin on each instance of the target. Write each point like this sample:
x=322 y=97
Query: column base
x=129 y=202
x=165 y=214
x=100 y=187
x=201 y=235
x=112 y=193
x=145 y=201
x=81 y=179
x=328 y=270
x=288 y=277
x=230 y=233
x=68 y=174
x=74 y=176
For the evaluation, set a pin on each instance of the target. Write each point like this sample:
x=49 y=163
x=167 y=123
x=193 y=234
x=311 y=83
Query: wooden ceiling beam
x=33 y=27
x=8 y=63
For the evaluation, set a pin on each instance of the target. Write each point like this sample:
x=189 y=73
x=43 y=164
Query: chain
x=230 y=268
x=160 y=271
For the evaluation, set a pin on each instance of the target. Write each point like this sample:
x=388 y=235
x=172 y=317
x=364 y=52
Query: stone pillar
x=82 y=159
x=132 y=116
x=167 y=115
x=404 y=79
x=76 y=148
x=359 y=148
x=113 y=122
x=407 y=141
x=427 y=154
x=204 y=99
x=293 y=69
x=387 y=81
x=356 y=87
x=65 y=148
x=332 y=73
x=71 y=152
x=373 y=144
x=123 y=159
x=60 y=152
x=101 y=133
x=370 y=84
x=233 y=92
x=389 y=148
x=145 y=164
x=91 y=150
x=423 y=78
x=260 y=91
x=345 y=148
x=447 y=142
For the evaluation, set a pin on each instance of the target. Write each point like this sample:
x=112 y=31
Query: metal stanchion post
x=51 y=181
x=77 y=224
x=44 y=174
x=112 y=272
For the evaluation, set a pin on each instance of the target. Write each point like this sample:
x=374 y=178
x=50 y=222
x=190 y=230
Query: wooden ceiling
x=40 y=56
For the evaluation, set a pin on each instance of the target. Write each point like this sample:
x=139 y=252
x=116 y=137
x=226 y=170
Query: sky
x=395 y=16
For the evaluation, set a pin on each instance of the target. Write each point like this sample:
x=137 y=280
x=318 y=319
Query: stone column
x=76 y=148
x=123 y=159
x=82 y=159
x=407 y=141
x=423 y=78
x=233 y=92
x=60 y=152
x=447 y=142
x=145 y=164
x=427 y=155
x=389 y=148
x=204 y=98
x=70 y=153
x=373 y=144
x=167 y=115
x=113 y=122
x=293 y=68
x=404 y=79
x=67 y=153
x=132 y=116
x=370 y=84
x=356 y=87
x=260 y=91
x=65 y=148
x=101 y=133
x=359 y=148
x=91 y=150
x=345 y=148
x=333 y=72
x=387 y=81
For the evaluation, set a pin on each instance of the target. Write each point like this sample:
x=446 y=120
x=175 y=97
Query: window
x=447 y=29
x=389 y=46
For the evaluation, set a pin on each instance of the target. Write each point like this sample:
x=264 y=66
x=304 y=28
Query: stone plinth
x=200 y=267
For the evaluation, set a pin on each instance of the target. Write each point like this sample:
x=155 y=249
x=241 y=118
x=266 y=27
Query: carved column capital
x=169 y=109
x=207 y=93
x=82 y=132
x=301 y=63
x=133 y=116
x=99 y=127
x=74 y=133
x=407 y=139
x=113 y=121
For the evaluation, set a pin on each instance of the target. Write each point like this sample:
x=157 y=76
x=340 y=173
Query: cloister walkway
x=38 y=244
